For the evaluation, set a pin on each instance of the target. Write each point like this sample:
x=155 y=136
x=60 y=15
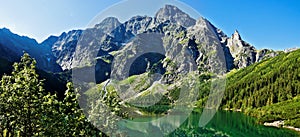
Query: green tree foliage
x=267 y=90
x=5 y=66
x=23 y=93
x=270 y=81
x=26 y=109
x=289 y=111
x=74 y=121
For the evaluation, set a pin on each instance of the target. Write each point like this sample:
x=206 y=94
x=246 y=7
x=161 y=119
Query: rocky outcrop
x=265 y=53
x=243 y=53
x=138 y=56
x=280 y=124
x=290 y=49
x=211 y=53
x=64 y=48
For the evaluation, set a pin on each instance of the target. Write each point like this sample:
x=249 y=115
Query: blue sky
x=263 y=23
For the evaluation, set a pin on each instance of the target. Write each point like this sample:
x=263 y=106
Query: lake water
x=223 y=124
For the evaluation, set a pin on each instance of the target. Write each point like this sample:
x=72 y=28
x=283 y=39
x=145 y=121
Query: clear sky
x=263 y=23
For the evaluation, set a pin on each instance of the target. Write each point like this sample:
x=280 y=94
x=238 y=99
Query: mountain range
x=262 y=83
x=203 y=39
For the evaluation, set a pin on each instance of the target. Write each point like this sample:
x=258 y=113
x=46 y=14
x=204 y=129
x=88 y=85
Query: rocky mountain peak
x=290 y=49
x=13 y=46
x=108 y=24
x=5 y=30
x=50 y=41
x=8 y=33
x=236 y=35
x=174 y=15
x=111 y=20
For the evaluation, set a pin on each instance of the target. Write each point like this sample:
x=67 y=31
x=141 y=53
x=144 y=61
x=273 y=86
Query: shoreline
x=231 y=109
x=280 y=124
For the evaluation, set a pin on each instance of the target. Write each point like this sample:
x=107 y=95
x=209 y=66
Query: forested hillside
x=272 y=84
x=5 y=66
x=287 y=111
x=265 y=83
x=53 y=82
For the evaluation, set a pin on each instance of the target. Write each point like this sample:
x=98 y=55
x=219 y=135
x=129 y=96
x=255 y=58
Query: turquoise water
x=223 y=124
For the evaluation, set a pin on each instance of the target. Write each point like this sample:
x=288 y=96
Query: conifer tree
x=24 y=94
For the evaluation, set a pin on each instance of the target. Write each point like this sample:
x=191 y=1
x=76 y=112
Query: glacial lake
x=222 y=124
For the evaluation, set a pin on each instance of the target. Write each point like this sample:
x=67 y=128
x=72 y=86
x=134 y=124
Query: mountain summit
x=236 y=35
x=108 y=24
x=200 y=37
x=175 y=15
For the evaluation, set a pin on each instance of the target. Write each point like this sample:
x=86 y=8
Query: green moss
x=129 y=80
x=180 y=35
x=184 y=41
x=108 y=61
x=113 y=53
x=211 y=53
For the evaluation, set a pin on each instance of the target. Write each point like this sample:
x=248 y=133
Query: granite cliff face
x=203 y=39
x=243 y=53
x=63 y=49
x=182 y=39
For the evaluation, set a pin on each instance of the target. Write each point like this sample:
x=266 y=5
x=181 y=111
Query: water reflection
x=223 y=124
